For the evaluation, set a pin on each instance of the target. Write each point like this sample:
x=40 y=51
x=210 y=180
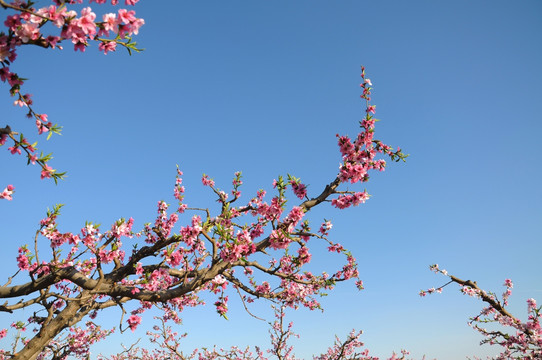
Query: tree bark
x=69 y=316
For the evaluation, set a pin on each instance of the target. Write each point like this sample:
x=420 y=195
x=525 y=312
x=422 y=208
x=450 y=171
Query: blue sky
x=262 y=88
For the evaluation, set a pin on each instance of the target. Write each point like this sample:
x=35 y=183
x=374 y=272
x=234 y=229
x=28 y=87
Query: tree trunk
x=69 y=316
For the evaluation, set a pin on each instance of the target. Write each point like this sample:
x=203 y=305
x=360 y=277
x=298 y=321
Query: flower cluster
x=344 y=201
x=27 y=24
x=299 y=189
x=359 y=156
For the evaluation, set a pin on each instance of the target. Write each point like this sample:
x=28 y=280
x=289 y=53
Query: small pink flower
x=22 y=259
x=15 y=150
x=79 y=46
x=19 y=102
x=139 y=269
x=110 y=22
x=86 y=22
x=126 y=16
x=47 y=171
x=326 y=226
x=359 y=284
x=300 y=190
x=107 y=46
x=531 y=303
x=133 y=322
x=8 y=191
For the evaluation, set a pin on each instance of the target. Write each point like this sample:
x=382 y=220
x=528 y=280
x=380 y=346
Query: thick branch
x=329 y=190
x=22 y=304
x=69 y=316
x=68 y=273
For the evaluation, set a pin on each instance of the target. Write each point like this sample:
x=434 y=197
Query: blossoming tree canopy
x=50 y=27
x=258 y=247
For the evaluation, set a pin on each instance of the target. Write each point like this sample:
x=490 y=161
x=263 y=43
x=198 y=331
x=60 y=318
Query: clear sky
x=262 y=88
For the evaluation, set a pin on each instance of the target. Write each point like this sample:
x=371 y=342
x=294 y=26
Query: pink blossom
x=295 y=215
x=22 y=259
x=13 y=79
x=300 y=190
x=110 y=22
x=15 y=150
x=139 y=269
x=27 y=32
x=133 y=322
x=56 y=15
x=122 y=228
x=46 y=171
x=86 y=22
x=13 y=22
x=303 y=255
x=207 y=181
x=19 y=102
x=135 y=25
x=338 y=248
x=345 y=145
x=4 y=72
x=222 y=306
x=531 y=303
x=278 y=240
x=264 y=288
x=126 y=16
x=359 y=284
x=81 y=46
x=345 y=201
x=8 y=191
x=325 y=227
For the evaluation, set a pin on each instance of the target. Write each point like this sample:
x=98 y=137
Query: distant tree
x=525 y=339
